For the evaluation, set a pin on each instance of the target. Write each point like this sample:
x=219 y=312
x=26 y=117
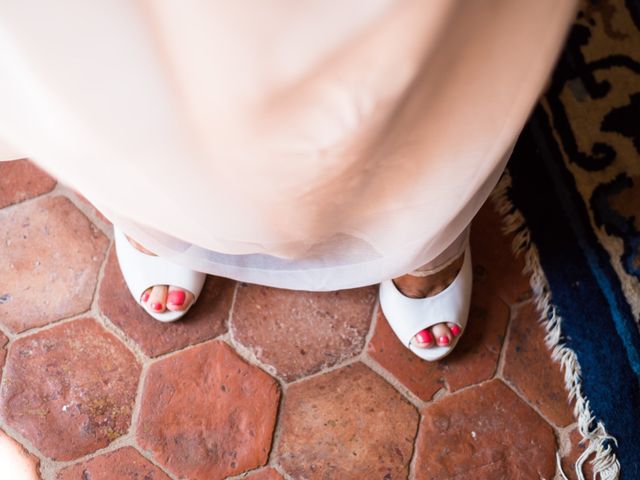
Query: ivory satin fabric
x=315 y=145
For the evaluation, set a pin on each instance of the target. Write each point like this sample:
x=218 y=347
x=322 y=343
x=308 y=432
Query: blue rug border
x=559 y=227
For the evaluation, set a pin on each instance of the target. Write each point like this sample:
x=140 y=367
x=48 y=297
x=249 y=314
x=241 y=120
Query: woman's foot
x=160 y=298
x=420 y=287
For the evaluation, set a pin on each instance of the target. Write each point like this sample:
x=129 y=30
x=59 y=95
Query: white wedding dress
x=312 y=145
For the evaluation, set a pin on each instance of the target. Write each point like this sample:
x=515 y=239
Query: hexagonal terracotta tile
x=206 y=413
x=265 y=474
x=15 y=462
x=348 y=423
x=205 y=320
x=21 y=180
x=484 y=432
x=69 y=389
x=474 y=359
x=51 y=257
x=493 y=261
x=300 y=333
x=124 y=463
x=528 y=366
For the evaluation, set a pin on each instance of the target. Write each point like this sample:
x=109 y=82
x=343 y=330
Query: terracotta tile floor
x=256 y=383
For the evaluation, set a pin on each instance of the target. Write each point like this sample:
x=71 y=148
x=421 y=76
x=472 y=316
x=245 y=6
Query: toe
x=178 y=299
x=442 y=334
x=423 y=339
x=157 y=298
x=145 y=295
x=454 y=329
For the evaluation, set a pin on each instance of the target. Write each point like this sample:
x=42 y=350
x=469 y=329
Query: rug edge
x=605 y=464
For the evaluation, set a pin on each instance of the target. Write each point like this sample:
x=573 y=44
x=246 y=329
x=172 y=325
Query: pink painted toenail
x=443 y=340
x=424 y=336
x=156 y=306
x=455 y=330
x=176 y=297
x=145 y=296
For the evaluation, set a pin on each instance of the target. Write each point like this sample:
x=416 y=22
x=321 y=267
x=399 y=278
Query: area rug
x=571 y=192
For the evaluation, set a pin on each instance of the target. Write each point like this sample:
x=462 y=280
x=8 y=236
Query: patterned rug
x=572 y=194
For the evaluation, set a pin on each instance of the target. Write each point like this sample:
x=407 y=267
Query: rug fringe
x=605 y=464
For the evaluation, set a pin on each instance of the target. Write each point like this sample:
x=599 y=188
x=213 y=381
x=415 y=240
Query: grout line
x=139 y=354
x=358 y=356
x=6 y=332
x=88 y=209
x=137 y=401
x=281 y=471
x=166 y=355
x=409 y=397
x=55 y=323
x=50 y=193
x=62 y=191
x=559 y=442
x=521 y=303
x=272 y=457
x=249 y=356
x=244 y=352
x=121 y=442
x=407 y=394
x=411 y=468
x=95 y=299
x=460 y=390
x=564 y=445
x=246 y=473
x=514 y=311
x=147 y=455
x=389 y=377
x=502 y=357
x=373 y=323
x=327 y=369
x=528 y=403
x=135 y=417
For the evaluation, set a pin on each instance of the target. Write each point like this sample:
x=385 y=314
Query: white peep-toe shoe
x=142 y=271
x=408 y=316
